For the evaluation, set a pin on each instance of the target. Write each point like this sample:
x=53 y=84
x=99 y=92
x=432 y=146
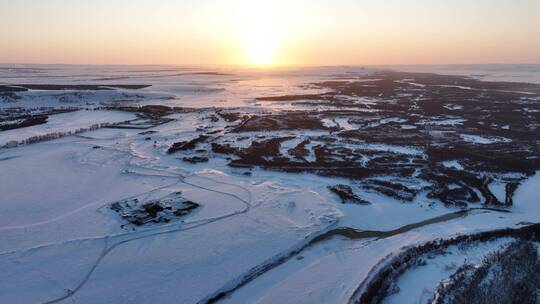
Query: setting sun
x=260 y=31
x=260 y=48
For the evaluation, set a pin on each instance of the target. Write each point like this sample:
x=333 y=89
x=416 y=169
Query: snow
x=262 y=237
x=65 y=122
x=484 y=140
x=329 y=123
x=453 y=164
x=418 y=284
x=289 y=144
x=392 y=148
x=331 y=271
x=344 y=124
x=410 y=82
x=526 y=196
x=79 y=225
x=58 y=236
x=498 y=189
x=86 y=99
x=341 y=123
x=69 y=182
x=444 y=122
x=453 y=107
x=485 y=72
x=455 y=86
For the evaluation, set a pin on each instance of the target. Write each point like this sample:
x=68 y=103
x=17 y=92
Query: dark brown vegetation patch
x=381 y=282
x=25 y=122
x=195 y=159
x=155 y=211
x=291 y=121
x=511 y=275
x=347 y=195
x=491 y=128
x=187 y=145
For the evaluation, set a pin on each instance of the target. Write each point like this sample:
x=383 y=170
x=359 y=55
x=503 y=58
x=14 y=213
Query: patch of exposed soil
x=164 y=210
x=187 y=145
x=347 y=195
x=291 y=121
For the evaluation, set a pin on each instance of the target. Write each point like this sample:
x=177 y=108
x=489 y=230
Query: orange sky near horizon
x=264 y=32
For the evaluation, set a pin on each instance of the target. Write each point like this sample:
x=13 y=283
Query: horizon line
x=269 y=66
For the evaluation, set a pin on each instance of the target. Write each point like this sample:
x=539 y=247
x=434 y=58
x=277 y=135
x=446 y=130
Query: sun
x=261 y=46
x=260 y=33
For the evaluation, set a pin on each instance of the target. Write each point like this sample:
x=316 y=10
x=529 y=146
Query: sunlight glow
x=261 y=46
x=261 y=32
x=270 y=33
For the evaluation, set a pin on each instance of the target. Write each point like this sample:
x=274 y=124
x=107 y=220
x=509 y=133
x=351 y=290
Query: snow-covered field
x=66 y=122
x=257 y=235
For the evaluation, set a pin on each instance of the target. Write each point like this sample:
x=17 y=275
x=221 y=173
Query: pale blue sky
x=280 y=32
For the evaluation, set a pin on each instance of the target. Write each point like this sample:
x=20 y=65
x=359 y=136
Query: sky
x=270 y=32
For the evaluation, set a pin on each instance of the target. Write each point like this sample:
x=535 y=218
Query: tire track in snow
x=181 y=179
x=108 y=250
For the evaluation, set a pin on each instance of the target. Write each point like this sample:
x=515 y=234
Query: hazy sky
x=303 y=32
